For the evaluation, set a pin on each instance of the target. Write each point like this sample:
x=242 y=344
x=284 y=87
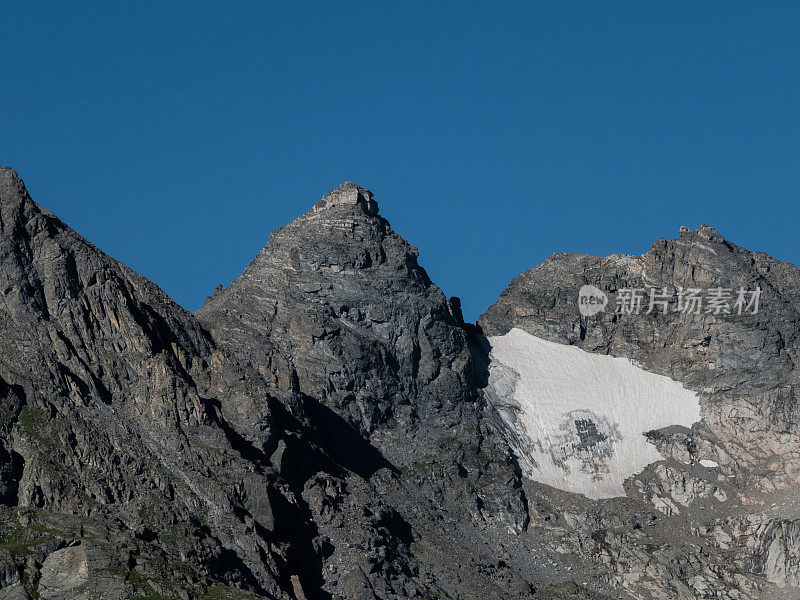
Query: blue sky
x=176 y=136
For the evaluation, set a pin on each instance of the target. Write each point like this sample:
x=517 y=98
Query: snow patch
x=709 y=464
x=577 y=420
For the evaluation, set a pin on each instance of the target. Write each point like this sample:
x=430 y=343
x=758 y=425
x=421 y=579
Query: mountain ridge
x=327 y=426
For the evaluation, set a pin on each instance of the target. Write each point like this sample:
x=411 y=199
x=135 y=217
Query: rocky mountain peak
x=8 y=173
x=21 y=216
x=706 y=232
x=12 y=189
x=338 y=289
x=349 y=194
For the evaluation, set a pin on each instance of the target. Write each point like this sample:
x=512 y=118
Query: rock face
x=339 y=319
x=65 y=574
x=326 y=439
x=335 y=306
x=328 y=427
x=112 y=415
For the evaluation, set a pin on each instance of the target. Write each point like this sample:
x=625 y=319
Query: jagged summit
x=323 y=284
x=349 y=194
x=11 y=186
x=704 y=231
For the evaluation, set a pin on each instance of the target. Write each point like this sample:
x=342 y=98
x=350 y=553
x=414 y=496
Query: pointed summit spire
x=16 y=206
x=11 y=186
x=349 y=194
x=7 y=173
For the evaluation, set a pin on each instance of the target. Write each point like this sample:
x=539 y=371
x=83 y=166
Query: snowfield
x=577 y=419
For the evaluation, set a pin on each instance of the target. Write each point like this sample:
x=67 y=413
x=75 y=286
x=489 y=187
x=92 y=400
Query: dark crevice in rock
x=479 y=348
x=248 y=451
x=293 y=523
x=12 y=464
x=340 y=441
x=227 y=565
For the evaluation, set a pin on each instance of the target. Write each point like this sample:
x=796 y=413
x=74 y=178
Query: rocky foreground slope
x=327 y=427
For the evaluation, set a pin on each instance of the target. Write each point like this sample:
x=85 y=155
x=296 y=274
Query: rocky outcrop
x=111 y=413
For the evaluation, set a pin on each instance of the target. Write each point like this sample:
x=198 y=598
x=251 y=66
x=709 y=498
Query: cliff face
x=328 y=427
x=341 y=322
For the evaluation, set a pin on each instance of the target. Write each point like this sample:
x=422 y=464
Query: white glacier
x=578 y=419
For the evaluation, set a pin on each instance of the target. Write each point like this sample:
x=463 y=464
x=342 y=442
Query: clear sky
x=176 y=136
